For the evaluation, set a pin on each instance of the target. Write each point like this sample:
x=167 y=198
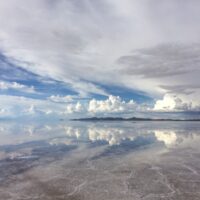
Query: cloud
x=2 y=111
x=10 y=72
x=65 y=106
x=184 y=89
x=112 y=104
x=167 y=104
x=16 y=106
x=16 y=86
x=132 y=44
x=162 y=61
x=177 y=103
x=164 y=69
x=84 y=89
x=62 y=99
x=60 y=107
x=75 y=108
x=31 y=110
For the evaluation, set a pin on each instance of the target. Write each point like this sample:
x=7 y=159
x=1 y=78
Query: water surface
x=102 y=160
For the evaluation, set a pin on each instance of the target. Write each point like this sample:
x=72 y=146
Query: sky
x=77 y=58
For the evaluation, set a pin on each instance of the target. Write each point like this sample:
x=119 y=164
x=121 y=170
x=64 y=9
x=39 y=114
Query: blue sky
x=89 y=58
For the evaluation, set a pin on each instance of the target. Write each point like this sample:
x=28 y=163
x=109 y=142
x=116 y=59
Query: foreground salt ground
x=140 y=161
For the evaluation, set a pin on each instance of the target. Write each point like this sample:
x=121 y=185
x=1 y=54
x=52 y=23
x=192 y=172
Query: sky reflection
x=110 y=133
x=87 y=155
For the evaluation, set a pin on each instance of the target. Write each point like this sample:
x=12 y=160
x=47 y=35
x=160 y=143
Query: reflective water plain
x=104 y=160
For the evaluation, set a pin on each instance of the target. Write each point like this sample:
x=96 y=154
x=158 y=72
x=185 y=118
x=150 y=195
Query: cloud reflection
x=108 y=133
x=168 y=137
x=116 y=135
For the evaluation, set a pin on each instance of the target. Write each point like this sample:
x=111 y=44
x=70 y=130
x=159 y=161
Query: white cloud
x=62 y=99
x=75 y=108
x=31 y=110
x=16 y=86
x=167 y=103
x=112 y=104
x=172 y=102
x=2 y=111
x=15 y=106
x=35 y=107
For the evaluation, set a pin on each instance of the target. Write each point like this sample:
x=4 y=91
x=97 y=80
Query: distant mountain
x=129 y=119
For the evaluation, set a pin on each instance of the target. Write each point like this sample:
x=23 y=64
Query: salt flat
x=105 y=160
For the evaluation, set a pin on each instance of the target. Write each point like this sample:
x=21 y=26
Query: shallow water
x=102 y=160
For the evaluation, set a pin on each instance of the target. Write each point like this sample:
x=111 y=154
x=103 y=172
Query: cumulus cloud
x=177 y=103
x=112 y=104
x=16 y=86
x=64 y=108
x=167 y=103
x=75 y=108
